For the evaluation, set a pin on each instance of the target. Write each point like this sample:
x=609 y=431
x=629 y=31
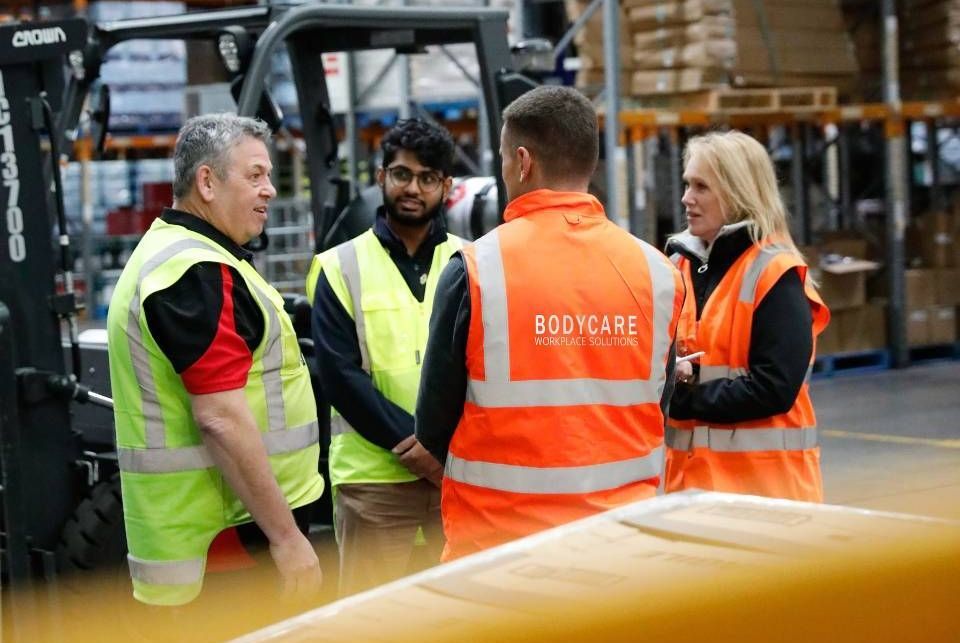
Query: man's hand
x=418 y=460
x=299 y=567
x=684 y=372
x=230 y=433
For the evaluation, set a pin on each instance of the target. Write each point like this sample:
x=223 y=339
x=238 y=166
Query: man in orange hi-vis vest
x=550 y=357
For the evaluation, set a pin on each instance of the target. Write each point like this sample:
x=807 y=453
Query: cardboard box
x=918 y=327
x=938 y=13
x=943 y=325
x=843 y=284
x=593 y=57
x=921 y=288
x=647 y=567
x=948 y=287
x=791 y=53
x=674 y=81
x=829 y=341
x=645 y=16
x=938 y=239
x=592 y=32
x=817 y=16
x=708 y=53
x=845 y=247
x=863 y=328
x=594 y=79
x=709 y=28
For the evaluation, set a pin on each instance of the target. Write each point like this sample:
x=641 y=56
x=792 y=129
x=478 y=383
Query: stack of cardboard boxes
x=929 y=52
x=681 y=46
x=862 y=19
x=933 y=288
x=841 y=269
x=929 y=41
x=589 y=43
x=856 y=290
x=693 y=45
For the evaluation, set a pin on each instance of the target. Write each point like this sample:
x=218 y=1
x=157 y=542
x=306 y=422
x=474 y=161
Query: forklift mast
x=39 y=450
x=309 y=31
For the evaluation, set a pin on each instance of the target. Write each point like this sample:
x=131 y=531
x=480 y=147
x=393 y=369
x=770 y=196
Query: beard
x=409 y=219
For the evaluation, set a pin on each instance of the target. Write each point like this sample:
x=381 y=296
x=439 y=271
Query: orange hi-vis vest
x=776 y=456
x=571 y=323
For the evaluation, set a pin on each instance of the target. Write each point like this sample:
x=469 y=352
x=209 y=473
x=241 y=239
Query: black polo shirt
x=207 y=323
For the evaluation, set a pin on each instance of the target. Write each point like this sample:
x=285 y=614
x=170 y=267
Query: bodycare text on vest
x=585 y=330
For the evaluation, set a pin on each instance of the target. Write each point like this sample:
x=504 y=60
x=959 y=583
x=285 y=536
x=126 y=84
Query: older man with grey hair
x=217 y=433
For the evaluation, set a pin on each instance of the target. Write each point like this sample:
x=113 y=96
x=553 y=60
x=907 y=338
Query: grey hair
x=207 y=140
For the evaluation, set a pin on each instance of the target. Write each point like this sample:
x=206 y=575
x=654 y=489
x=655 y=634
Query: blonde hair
x=746 y=184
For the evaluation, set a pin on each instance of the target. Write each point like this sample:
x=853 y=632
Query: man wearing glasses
x=372 y=298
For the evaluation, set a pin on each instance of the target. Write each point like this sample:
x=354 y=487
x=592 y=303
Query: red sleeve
x=225 y=364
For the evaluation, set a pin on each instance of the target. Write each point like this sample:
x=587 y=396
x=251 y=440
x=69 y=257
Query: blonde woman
x=741 y=419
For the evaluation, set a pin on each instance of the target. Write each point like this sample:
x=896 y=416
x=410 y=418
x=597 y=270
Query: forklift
x=61 y=508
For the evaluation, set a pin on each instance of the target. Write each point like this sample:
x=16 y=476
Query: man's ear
x=204 y=182
x=447 y=186
x=381 y=175
x=525 y=160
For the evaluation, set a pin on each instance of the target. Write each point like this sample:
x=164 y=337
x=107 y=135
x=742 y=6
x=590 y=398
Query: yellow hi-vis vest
x=392 y=332
x=175 y=499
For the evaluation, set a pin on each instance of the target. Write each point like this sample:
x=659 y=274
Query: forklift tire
x=94 y=538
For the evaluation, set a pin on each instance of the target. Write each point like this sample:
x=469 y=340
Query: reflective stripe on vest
x=741 y=440
x=339 y=426
x=154 y=431
x=166 y=572
x=272 y=358
x=498 y=391
x=554 y=480
x=748 y=288
x=272 y=361
x=198 y=457
x=350 y=271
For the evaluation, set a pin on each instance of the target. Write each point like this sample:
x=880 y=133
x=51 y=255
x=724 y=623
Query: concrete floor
x=891 y=440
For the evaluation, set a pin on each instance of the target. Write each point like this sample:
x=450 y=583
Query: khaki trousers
x=376 y=527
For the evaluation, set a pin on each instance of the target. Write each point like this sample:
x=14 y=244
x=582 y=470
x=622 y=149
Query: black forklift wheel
x=94 y=538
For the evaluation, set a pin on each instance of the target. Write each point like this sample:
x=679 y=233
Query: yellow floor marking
x=894 y=439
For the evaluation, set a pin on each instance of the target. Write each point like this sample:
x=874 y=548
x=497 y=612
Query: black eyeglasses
x=402 y=175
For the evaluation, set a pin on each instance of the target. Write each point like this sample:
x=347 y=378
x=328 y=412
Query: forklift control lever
x=36 y=386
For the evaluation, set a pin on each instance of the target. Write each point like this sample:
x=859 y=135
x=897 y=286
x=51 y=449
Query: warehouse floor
x=891 y=440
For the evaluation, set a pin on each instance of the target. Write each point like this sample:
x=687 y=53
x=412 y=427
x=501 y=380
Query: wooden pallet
x=747 y=101
x=851 y=363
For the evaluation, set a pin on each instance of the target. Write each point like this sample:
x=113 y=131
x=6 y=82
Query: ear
x=204 y=182
x=525 y=161
x=381 y=175
x=447 y=186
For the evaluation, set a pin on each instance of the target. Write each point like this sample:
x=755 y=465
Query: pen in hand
x=690 y=357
